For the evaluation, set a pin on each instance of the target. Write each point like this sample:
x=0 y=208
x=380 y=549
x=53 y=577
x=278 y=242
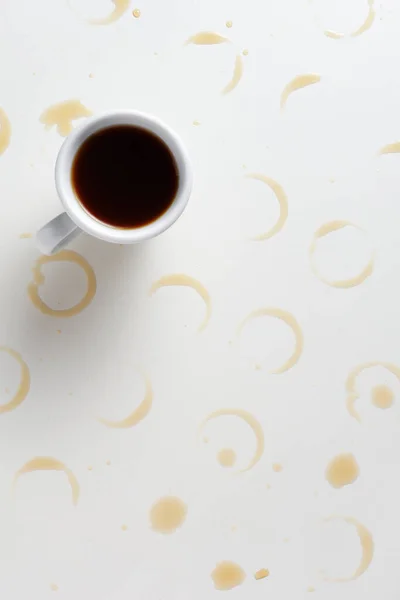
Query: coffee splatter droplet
x=382 y=396
x=227 y=575
x=342 y=470
x=167 y=514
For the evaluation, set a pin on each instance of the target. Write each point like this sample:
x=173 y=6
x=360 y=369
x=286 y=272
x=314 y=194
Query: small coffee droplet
x=277 y=467
x=227 y=575
x=382 y=396
x=342 y=470
x=58 y=330
x=54 y=587
x=311 y=589
x=234 y=528
x=229 y=24
x=261 y=574
x=91 y=75
x=124 y=527
x=167 y=514
x=108 y=462
x=226 y=457
x=245 y=52
x=257 y=367
x=136 y=13
x=196 y=123
x=268 y=486
x=90 y=468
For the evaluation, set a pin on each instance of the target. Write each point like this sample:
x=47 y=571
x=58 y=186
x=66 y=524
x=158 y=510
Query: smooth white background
x=332 y=130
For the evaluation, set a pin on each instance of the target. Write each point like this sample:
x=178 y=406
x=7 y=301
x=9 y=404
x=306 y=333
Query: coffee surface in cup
x=125 y=176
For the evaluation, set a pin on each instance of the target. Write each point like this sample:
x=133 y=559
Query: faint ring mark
x=251 y=421
x=24 y=383
x=186 y=281
x=38 y=280
x=367 y=24
x=367 y=547
x=344 y=283
x=138 y=414
x=46 y=463
x=283 y=205
x=351 y=389
x=290 y=320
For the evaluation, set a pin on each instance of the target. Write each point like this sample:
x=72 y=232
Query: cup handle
x=56 y=234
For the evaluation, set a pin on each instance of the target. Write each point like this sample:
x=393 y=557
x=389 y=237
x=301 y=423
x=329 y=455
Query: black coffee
x=125 y=176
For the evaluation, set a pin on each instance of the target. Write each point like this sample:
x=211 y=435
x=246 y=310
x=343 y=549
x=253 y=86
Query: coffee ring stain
x=352 y=393
x=47 y=463
x=24 y=384
x=283 y=205
x=344 y=283
x=367 y=24
x=290 y=320
x=38 y=280
x=120 y=7
x=138 y=414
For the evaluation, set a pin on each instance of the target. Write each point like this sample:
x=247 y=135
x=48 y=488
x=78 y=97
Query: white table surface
x=324 y=152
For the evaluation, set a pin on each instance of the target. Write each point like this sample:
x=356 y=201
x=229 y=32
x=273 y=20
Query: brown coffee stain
x=283 y=205
x=206 y=38
x=62 y=114
x=138 y=414
x=179 y=279
x=120 y=7
x=167 y=514
x=390 y=148
x=367 y=547
x=227 y=575
x=236 y=77
x=382 y=396
x=25 y=236
x=324 y=230
x=352 y=394
x=24 y=384
x=226 y=457
x=261 y=574
x=136 y=13
x=39 y=279
x=251 y=421
x=342 y=470
x=46 y=463
x=277 y=467
x=5 y=131
x=287 y=318
x=299 y=82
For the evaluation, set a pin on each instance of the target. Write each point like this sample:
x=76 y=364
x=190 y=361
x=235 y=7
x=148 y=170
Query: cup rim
x=72 y=205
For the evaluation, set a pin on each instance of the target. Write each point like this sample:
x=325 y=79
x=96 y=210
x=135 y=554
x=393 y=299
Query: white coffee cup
x=65 y=227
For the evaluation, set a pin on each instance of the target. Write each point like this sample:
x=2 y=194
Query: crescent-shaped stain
x=236 y=77
x=120 y=7
x=367 y=24
x=62 y=114
x=287 y=318
x=138 y=414
x=5 y=131
x=283 y=205
x=390 y=148
x=206 y=38
x=351 y=383
x=186 y=281
x=299 y=82
x=47 y=463
x=367 y=547
x=251 y=421
x=344 y=283
x=38 y=280
x=24 y=383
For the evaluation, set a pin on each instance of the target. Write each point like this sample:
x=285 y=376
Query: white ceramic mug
x=65 y=227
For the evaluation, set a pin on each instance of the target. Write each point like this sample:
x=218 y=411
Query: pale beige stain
x=261 y=574
x=277 y=467
x=226 y=457
x=390 y=148
x=227 y=575
x=5 y=131
x=351 y=383
x=38 y=280
x=46 y=463
x=120 y=7
x=62 y=115
x=25 y=236
x=236 y=77
x=136 y=13
x=365 y=25
x=299 y=82
x=167 y=514
x=138 y=414
x=207 y=38
x=251 y=421
x=245 y=52
x=229 y=24
x=342 y=470
x=283 y=205
x=324 y=230
x=24 y=383
x=291 y=322
x=367 y=548
x=54 y=587
x=186 y=281
x=382 y=397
